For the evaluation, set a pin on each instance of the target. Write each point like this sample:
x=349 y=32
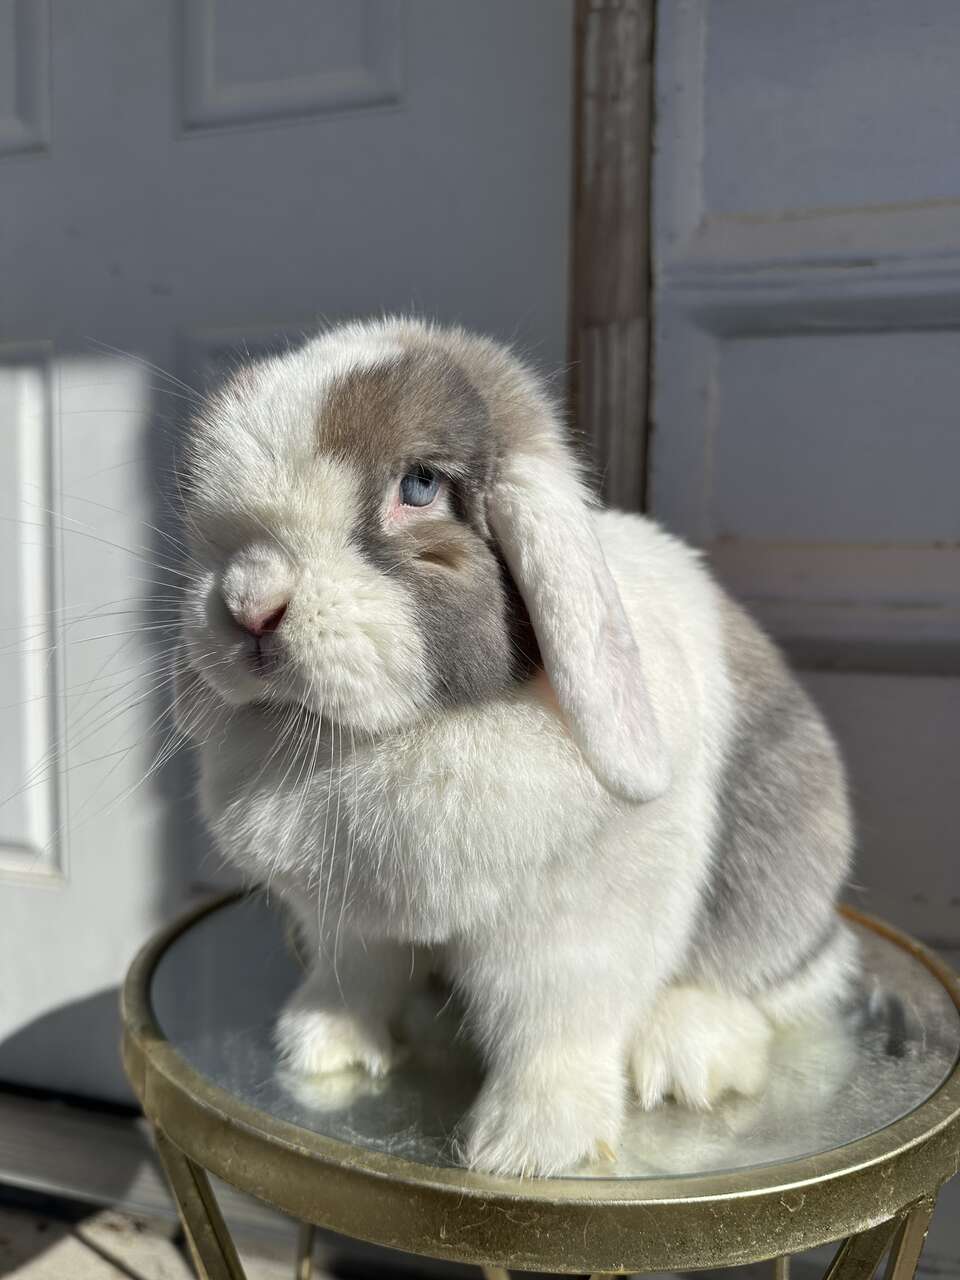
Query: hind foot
x=698 y=1045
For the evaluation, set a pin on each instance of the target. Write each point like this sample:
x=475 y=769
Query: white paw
x=317 y=1042
x=699 y=1045
x=332 y=1092
x=536 y=1127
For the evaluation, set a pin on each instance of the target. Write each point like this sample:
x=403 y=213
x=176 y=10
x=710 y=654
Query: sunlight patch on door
x=30 y=657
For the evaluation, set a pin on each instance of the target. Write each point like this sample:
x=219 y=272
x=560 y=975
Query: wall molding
x=856 y=607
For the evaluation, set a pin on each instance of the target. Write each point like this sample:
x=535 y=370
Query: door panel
x=806 y=105
x=184 y=182
x=807 y=293
x=310 y=60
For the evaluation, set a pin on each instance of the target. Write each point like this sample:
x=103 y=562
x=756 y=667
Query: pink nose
x=259 y=622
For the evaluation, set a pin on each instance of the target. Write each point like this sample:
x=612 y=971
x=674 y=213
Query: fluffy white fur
x=546 y=531
x=699 y=1045
x=551 y=846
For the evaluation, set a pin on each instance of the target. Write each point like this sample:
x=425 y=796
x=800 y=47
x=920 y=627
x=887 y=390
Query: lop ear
x=544 y=526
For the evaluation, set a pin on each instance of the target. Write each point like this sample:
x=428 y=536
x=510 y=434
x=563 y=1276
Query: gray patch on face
x=783 y=837
x=465 y=620
x=422 y=408
x=412 y=407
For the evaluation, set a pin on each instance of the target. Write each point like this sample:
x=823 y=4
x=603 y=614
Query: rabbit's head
x=386 y=523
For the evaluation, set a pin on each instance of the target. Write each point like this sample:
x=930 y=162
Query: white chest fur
x=422 y=836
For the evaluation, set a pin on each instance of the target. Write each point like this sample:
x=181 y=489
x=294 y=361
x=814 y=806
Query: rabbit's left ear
x=544 y=526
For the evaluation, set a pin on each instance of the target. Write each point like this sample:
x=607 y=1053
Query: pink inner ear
x=546 y=693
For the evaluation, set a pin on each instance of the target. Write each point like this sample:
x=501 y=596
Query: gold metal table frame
x=874 y=1195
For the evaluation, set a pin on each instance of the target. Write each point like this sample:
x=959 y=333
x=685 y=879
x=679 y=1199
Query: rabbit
x=457 y=715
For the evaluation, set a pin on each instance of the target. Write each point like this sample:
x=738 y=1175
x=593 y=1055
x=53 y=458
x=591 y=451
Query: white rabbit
x=442 y=701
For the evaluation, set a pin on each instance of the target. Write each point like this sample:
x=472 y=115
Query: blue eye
x=419 y=486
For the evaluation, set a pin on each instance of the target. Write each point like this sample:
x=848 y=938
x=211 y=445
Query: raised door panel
x=332 y=55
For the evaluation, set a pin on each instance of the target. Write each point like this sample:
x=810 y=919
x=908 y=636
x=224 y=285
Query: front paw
x=539 y=1126
x=318 y=1042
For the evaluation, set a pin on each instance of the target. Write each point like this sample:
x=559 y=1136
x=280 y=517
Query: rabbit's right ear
x=544 y=526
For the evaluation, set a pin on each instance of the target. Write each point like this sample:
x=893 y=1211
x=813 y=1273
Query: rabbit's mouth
x=325 y=679
x=263 y=658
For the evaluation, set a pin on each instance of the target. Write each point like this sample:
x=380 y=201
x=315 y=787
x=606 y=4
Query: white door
x=179 y=181
x=807 y=375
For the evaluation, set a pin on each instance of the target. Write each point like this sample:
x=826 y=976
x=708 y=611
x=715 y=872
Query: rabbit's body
x=591 y=933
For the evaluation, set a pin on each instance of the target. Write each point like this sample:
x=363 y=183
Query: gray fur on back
x=784 y=837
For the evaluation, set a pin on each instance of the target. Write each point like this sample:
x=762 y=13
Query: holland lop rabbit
x=441 y=701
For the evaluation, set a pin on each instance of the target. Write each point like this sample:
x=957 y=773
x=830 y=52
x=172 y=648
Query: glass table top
x=219 y=986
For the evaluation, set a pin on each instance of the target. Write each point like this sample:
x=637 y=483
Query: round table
x=851 y=1140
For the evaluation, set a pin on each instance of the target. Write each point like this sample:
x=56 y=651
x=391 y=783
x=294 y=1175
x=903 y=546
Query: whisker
x=147 y=364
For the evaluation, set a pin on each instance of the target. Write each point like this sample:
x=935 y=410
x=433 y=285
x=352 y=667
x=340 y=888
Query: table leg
x=781 y=1267
x=306 y=1236
x=214 y=1255
x=860 y=1255
x=906 y=1248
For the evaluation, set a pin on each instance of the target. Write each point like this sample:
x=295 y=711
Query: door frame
x=611 y=318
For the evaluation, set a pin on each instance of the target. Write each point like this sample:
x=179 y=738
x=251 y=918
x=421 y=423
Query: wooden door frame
x=610 y=296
